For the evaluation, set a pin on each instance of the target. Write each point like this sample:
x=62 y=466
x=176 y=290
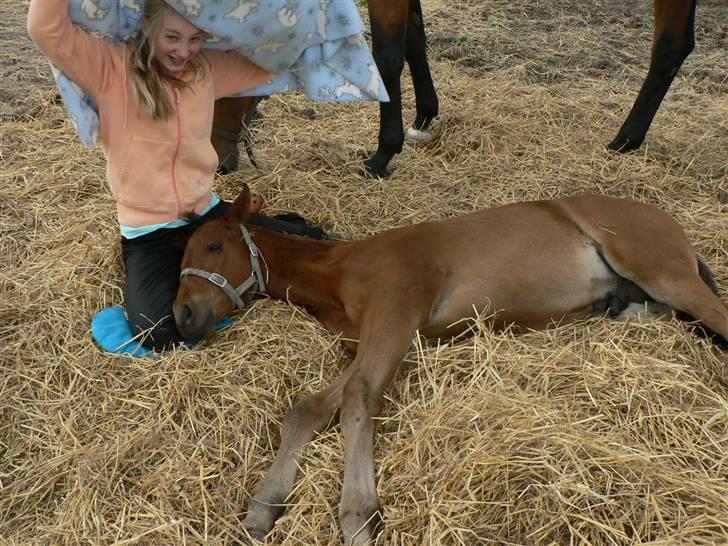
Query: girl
x=155 y=97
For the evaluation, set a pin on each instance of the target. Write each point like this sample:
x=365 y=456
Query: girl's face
x=176 y=42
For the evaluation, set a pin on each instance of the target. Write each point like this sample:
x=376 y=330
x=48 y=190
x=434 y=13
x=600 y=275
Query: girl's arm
x=233 y=73
x=85 y=59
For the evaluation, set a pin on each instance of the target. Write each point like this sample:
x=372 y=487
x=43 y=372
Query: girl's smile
x=176 y=42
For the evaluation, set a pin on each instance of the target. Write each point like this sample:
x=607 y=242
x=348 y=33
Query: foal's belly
x=528 y=290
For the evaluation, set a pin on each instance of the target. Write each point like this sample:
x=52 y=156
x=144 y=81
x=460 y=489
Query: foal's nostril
x=186 y=314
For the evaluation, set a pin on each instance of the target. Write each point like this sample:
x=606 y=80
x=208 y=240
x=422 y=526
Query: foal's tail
x=707 y=276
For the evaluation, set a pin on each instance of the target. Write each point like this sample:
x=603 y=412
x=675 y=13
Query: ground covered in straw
x=599 y=432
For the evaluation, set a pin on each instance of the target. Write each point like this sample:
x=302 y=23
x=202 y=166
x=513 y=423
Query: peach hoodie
x=158 y=171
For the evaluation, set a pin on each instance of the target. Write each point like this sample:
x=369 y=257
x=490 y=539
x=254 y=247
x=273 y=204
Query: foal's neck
x=303 y=271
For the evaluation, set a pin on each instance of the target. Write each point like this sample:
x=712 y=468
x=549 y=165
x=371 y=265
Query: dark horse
x=398 y=33
x=579 y=257
x=672 y=42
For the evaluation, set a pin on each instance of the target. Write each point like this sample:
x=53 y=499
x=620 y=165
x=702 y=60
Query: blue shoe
x=112 y=332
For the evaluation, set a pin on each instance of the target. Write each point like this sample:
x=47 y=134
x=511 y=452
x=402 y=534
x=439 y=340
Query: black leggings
x=152 y=264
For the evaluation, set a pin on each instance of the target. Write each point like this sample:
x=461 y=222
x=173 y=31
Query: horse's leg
x=378 y=358
x=227 y=124
x=416 y=54
x=669 y=272
x=389 y=25
x=690 y=294
x=673 y=40
x=303 y=421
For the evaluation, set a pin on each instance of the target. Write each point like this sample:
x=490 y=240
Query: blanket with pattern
x=316 y=46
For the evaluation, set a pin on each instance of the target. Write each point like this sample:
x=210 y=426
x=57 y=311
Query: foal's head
x=216 y=247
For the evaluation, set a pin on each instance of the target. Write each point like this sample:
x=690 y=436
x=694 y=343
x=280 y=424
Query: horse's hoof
x=373 y=171
x=251 y=537
x=361 y=526
x=418 y=136
x=623 y=144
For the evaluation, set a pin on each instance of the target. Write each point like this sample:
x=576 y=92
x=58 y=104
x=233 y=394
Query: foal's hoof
x=359 y=531
x=251 y=537
x=364 y=536
x=256 y=203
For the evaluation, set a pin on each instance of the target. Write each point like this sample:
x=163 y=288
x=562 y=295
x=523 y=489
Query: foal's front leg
x=310 y=415
x=377 y=360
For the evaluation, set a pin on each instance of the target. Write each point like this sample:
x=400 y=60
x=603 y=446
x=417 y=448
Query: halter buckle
x=217 y=279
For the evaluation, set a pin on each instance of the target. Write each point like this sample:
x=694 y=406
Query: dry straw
x=599 y=432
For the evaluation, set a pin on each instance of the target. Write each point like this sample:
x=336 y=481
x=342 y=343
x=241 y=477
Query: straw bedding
x=598 y=432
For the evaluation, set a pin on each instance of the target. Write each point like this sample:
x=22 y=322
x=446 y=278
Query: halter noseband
x=255 y=280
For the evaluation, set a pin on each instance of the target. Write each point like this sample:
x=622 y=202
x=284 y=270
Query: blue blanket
x=316 y=46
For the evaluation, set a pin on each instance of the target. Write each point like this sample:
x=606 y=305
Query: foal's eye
x=215 y=246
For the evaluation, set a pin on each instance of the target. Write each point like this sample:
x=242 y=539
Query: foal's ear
x=240 y=209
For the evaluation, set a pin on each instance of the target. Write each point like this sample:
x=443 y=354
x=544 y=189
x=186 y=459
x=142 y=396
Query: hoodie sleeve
x=85 y=59
x=234 y=73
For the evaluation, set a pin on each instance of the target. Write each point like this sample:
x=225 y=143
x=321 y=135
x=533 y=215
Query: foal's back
x=531 y=263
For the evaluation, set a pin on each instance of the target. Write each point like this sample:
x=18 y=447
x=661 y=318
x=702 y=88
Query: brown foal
x=526 y=264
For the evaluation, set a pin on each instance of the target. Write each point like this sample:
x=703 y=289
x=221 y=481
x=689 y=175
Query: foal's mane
x=196 y=220
x=291 y=223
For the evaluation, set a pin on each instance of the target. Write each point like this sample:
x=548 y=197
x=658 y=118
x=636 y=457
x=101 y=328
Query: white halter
x=255 y=280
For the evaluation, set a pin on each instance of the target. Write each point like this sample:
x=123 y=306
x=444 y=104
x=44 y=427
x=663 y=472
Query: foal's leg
x=388 y=20
x=307 y=417
x=661 y=261
x=416 y=55
x=378 y=358
x=691 y=295
x=673 y=40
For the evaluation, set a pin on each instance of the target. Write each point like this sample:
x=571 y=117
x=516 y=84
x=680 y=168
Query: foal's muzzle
x=194 y=321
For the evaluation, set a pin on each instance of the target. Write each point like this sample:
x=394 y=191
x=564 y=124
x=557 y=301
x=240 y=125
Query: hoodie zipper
x=175 y=94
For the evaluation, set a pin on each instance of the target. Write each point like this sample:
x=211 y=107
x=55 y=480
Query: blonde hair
x=147 y=75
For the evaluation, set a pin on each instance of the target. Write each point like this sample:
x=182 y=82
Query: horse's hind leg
x=416 y=55
x=691 y=294
x=389 y=26
x=673 y=40
x=671 y=276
